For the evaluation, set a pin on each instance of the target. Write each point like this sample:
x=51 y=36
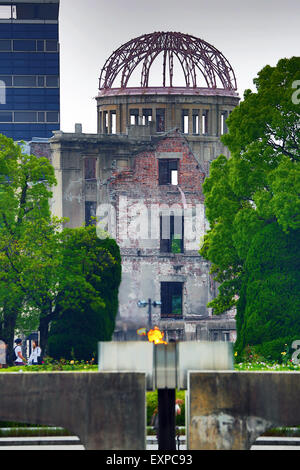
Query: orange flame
x=156 y=336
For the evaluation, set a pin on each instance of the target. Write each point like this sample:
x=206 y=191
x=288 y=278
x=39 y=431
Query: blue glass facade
x=29 y=74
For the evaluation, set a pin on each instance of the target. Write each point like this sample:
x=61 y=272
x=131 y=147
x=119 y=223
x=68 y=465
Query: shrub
x=269 y=304
x=91 y=318
x=152 y=405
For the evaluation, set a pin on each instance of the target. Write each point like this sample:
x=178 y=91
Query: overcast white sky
x=250 y=34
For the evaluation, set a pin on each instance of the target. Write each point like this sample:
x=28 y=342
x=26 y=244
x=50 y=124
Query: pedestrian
x=155 y=423
x=19 y=360
x=3 y=347
x=177 y=407
x=178 y=404
x=35 y=356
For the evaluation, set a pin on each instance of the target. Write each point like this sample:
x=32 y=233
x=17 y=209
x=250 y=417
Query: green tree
x=86 y=308
x=269 y=302
x=257 y=186
x=25 y=183
x=42 y=277
x=46 y=272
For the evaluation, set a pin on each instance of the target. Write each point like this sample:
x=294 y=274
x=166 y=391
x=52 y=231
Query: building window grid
x=39 y=81
x=40 y=45
x=199 y=124
x=50 y=117
x=29 y=11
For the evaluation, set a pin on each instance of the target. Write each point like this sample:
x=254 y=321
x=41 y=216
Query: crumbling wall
x=136 y=194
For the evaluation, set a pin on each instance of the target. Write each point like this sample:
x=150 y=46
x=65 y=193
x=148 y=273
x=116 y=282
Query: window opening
x=160 y=120
x=224 y=116
x=25 y=116
x=171 y=233
x=196 y=129
x=90 y=168
x=52 y=116
x=8 y=12
x=168 y=172
x=185 y=121
x=90 y=212
x=113 y=122
x=105 y=122
x=134 y=117
x=205 y=122
x=5 y=45
x=171 y=299
x=147 y=116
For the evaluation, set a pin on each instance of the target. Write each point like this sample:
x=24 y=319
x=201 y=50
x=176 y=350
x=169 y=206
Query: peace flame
x=154 y=336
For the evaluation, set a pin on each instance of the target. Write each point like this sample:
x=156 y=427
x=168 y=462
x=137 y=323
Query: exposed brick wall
x=142 y=180
x=41 y=149
x=144 y=267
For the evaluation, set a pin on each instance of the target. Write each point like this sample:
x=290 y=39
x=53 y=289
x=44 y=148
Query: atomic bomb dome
x=162 y=107
x=202 y=64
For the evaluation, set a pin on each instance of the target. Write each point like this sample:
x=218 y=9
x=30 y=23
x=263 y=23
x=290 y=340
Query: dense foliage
x=152 y=407
x=269 y=304
x=94 y=267
x=48 y=272
x=253 y=206
x=25 y=221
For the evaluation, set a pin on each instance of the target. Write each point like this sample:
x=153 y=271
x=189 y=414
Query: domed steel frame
x=193 y=54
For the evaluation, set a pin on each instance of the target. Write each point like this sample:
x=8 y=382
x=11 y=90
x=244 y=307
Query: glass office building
x=29 y=69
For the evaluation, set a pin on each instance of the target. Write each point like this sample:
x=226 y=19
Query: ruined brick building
x=142 y=175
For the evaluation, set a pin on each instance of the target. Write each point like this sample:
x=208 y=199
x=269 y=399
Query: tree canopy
x=258 y=186
x=48 y=272
x=25 y=190
x=94 y=276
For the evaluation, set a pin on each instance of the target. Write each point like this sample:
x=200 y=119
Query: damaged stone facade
x=129 y=174
x=140 y=179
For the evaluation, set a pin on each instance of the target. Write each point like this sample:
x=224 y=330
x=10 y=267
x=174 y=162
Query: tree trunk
x=8 y=332
x=47 y=315
x=44 y=332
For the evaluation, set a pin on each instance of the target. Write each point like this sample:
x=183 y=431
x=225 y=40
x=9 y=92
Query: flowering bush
x=50 y=365
x=249 y=355
x=252 y=360
x=267 y=365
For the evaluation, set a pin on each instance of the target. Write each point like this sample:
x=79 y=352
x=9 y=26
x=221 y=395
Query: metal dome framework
x=193 y=54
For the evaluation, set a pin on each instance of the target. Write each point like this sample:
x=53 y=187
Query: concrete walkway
x=73 y=443
x=41 y=443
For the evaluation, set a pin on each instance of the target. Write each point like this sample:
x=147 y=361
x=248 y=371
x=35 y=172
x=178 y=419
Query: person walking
x=155 y=422
x=35 y=355
x=19 y=360
x=3 y=347
x=178 y=404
